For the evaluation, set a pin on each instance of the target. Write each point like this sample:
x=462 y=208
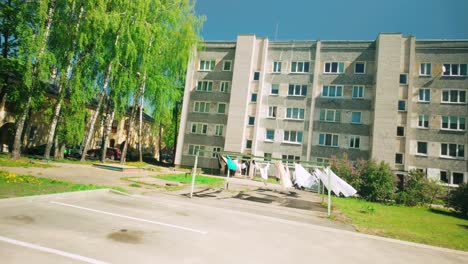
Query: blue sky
x=333 y=19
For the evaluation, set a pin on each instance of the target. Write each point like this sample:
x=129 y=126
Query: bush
x=458 y=199
x=345 y=169
x=377 y=181
x=413 y=192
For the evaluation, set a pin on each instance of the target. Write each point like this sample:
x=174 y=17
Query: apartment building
x=395 y=99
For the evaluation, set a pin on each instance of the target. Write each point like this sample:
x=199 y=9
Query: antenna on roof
x=276 y=31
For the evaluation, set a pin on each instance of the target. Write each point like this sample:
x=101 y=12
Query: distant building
x=395 y=99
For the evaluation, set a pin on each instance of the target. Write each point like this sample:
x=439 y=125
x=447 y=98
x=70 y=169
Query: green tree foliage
x=414 y=189
x=346 y=170
x=458 y=199
x=34 y=59
x=377 y=181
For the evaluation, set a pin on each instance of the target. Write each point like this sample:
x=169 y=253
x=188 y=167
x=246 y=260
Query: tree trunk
x=63 y=77
x=56 y=150
x=107 y=130
x=176 y=129
x=159 y=143
x=20 y=124
x=62 y=151
x=26 y=133
x=19 y=130
x=140 y=124
x=96 y=114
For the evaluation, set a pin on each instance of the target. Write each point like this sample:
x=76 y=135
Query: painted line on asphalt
x=131 y=218
x=51 y=250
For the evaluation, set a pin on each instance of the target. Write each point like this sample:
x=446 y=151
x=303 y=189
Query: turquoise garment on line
x=231 y=164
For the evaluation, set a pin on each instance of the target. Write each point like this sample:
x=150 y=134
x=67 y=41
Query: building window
x=453 y=123
x=205 y=86
x=201 y=107
x=452 y=150
x=455 y=70
x=248 y=144
x=299 y=67
x=334 y=67
x=207 y=65
x=398 y=158
x=199 y=128
x=215 y=153
x=256 y=76
x=360 y=67
x=403 y=78
x=192 y=149
x=221 y=108
x=293 y=136
x=274 y=89
x=253 y=98
x=356 y=117
x=270 y=134
x=267 y=156
x=322 y=161
x=295 y=113
x=332 y=91
x=457 y=178
x=354 y=141
x=272 y=111
x=277 y=66
x=401 y=105
x=423 y=121
x=444 y=176
x=424 y=95
x=358 y=91
x=425 y=69
x=330 y=115
x=219 y=130
x=224 y=87
x=422 y=148
x=454 y=96
x=326 y=139
x=290 y=158
x=400 y=132
x=297 y=90
x=227 y=65
x=251 y=120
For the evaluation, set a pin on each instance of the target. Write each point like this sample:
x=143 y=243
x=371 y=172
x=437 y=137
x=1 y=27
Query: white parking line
x=51 y=250
x=132 y=218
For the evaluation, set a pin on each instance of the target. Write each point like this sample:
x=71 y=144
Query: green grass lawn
x=5 y=161
x=184 y=178
x=13 y=185
x=437 y=226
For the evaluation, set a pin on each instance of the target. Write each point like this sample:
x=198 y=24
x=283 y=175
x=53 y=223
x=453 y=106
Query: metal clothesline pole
x=329 y=191
x=194 y=172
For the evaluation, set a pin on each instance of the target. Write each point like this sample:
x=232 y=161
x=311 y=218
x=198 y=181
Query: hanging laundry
x=338 y=185
x=264 y=172
x=283 y=175
x=303 y=177
x=231 y=164
x=345 y=188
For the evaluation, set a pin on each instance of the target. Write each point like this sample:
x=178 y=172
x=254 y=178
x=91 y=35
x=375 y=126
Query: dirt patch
x=126 y=236
x=23 y=219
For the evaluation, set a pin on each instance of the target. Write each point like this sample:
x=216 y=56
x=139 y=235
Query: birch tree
x=33 y=56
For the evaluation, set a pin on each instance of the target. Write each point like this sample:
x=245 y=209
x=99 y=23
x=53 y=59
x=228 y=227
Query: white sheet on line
x=303 y=177
x=264 y=172
x=338 y=185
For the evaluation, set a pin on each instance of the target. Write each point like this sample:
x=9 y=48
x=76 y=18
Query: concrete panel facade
x=351 y=89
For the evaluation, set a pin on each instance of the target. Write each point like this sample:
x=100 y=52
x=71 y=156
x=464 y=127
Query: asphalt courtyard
x=106 y=227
